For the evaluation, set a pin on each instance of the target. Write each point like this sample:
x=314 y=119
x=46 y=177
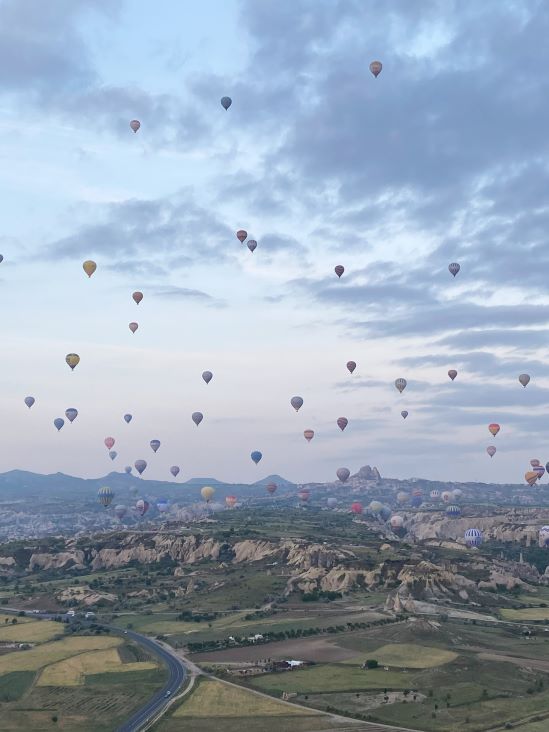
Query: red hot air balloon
x=241 y=235
x=356 y=507
x=137 y=296
x=494 y=428
x=308 y=434
x=135 y=124
x=452 y=374
x=109 y=442
x=342 y=422
x=230 y=501
x=304 y=495
x=339 y=270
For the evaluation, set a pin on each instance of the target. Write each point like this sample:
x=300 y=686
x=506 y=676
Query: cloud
x=184 y=293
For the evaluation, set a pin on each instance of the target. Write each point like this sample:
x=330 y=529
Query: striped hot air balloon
x=105 y=496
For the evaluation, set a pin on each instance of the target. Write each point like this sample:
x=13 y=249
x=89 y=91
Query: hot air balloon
x=332 y=502
x=72 y=359
x=417 y=498
x=133 y=327
x=120 y=511
x=135 y=124
x=401 y=384
x=494 y=428
x=385 y=513
x=226 y=102
x=256 y=456
x=530 y=477
x=155 y=444
x=342 y=422
x=296 y=402
x=29 y=401
x=404 y=414
x=308 y=434
x=491 y=450
x=375 y=68
x=457 y=493
x=343 y=474
x=252 y=244
x=207 y=376
x=402 y=497
x=473 y=537
x=434 y=495
x=58 y=422
x=524 y=379
x=137 y=296
x=397 y=522
x=241 y=235
x=453 y=511
x=375 y=506
x=140 y=466
x=446 y=496
x=539 y=470
x=142 y=506
x=351 y=365
x=339 y=269
x=105 y=496
x=534 y=463
x=271 y=488
x=89 y=267
x=197 y=417
x=109 y=442
x=230 y=501
x=303 y=495
x=128 y=418
x=356 y=507
x=454 y=268
x=452 y=373
x=174 y=470
x=1 y=258
x=544 y=537
x=207 y=493
x=113 y=454
x=128 y=469
x=71 y=414
x=162 y=505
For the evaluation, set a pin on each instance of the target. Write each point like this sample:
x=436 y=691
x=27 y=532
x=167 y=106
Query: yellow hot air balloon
x=89 y=267
x=73 y=359
x=530 y=477
x=207 y=493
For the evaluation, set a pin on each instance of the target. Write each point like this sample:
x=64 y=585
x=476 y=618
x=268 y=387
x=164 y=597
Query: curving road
x=177 y=671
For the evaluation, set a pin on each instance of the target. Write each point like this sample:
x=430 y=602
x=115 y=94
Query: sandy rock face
x=61 y=560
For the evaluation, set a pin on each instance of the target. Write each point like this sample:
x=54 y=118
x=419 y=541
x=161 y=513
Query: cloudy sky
x=443 y=158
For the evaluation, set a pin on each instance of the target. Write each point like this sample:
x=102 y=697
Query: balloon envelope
x=120 y=511
x=72 y=359
x=109 y=442
x=343 y=474
x=351 y=365
x=226 y=102
x=174 y=470
x=296 y=402
x=105 y=496
x=304 y=495
x=133 y=327
x=401 y=384
x=524 y=379
x=256 y=456
x=29 y=401
x=230 y=501
x=494 y=428
x=473 y=537
x=89 y=267
x=356 y=507
x=113 y=454
x=155 y=444
x=339 y=270
x=128 y=469
x=342 y=422
x=197 y=417
x=404 y=414
x=402 y=497
x=454 y=268
x=271 y=488
x=142 y=506
x=207 y=493
x=135 y=124
x=252 y=244
x=71 y=414
x=207 y=376
x=491 y=450
x=375 y=68
x=58 y=422
x=534 y=462
x=308 y=434
x=162 y=505
x=241 y=235
x=128 y=418
x=137 y=296
x=452 y=374
x=397 y=522
x=453 y=511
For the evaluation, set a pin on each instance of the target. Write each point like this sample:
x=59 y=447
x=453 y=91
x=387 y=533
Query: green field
x=407 y=655
x=36 y=631
x=525 y=614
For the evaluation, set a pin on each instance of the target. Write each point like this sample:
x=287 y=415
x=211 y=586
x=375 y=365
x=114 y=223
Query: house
x=255 y=638
x=288 y=695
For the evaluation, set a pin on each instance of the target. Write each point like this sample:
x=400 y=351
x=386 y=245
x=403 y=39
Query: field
x=214 y=705
x=73 y=671
x=407 y=655
x=42 y=655
x=527 y=613
x=321 y=650
x=36 y=631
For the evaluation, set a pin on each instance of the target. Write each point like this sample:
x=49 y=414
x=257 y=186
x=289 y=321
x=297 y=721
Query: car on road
x=167 y=694
x=125 y=632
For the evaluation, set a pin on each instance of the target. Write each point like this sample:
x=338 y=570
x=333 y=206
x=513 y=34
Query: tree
x=371 y=663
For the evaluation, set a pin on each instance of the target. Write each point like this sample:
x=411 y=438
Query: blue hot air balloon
x=453 y=511
x=58 y=422
x=29 y=401
x=71 y=414
x=256 y=456
x=162 y=505
x=127 y=418
x=155 y=444
x=473 y=537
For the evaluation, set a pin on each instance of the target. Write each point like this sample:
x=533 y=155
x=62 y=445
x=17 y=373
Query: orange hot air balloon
x=137 y=296
x=230 y=501
x=308 y=434
x=89 y=267
x=494 y=428
x=530 y=477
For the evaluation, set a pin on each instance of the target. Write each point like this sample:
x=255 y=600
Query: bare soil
x=320 y=650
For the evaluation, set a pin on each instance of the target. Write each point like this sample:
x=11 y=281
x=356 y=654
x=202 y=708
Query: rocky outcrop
x=61 y=560
x=83 y=595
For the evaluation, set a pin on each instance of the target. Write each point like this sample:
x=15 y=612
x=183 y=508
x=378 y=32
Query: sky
x=441 y=158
